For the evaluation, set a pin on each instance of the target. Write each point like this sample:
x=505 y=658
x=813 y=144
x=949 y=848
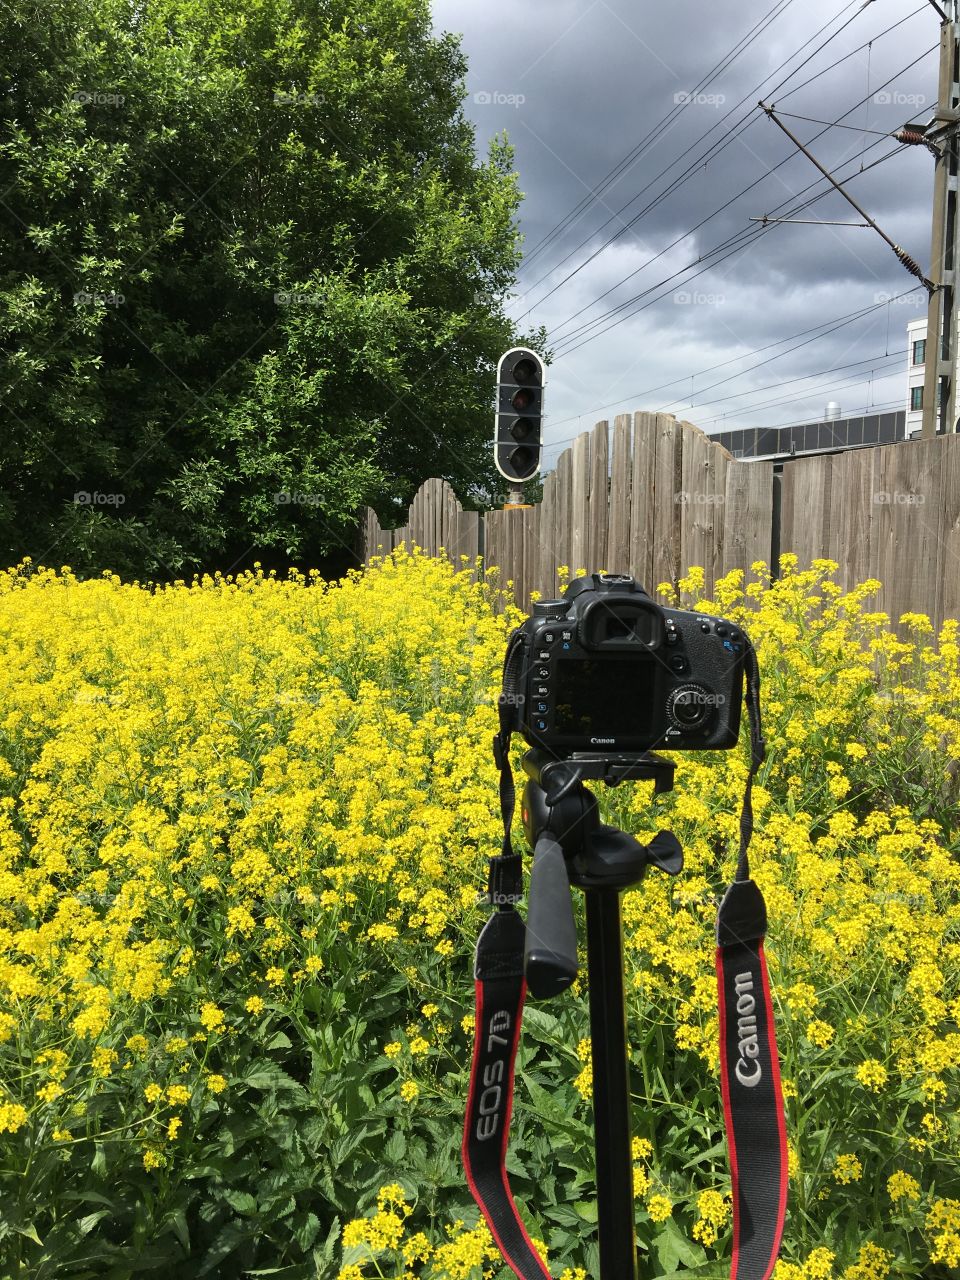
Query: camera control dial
x=690 y=707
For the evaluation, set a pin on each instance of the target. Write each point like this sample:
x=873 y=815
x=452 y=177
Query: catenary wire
x=733 y=132
x=746 y=237
x=725 y=62
x=836 y=322
x=562 y=324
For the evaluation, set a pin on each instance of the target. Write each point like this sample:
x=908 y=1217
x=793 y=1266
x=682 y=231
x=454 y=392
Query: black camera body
x=607 y=670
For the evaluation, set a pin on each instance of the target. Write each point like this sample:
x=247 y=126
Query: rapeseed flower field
x=244 y=825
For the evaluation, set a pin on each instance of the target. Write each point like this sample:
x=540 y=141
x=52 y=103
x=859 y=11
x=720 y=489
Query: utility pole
x=941 y=351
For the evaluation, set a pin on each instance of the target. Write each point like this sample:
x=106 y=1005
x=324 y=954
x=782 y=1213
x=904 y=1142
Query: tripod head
x=571 y=846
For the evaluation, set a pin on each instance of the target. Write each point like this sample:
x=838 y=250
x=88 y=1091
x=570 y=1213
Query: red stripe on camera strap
x=500 y=991
x=752 y=1094
x=749 y=1065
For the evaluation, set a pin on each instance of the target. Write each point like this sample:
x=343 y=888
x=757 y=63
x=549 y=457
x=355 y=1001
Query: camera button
x=566 y=635
x=548 y=637
x=673 y=637
x=721 y=629
x=543 y=672
x=704 y=626
x=543 y=654
x=541 y=724
x=679 y=662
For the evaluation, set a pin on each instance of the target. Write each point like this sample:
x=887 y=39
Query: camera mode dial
x=690 y=707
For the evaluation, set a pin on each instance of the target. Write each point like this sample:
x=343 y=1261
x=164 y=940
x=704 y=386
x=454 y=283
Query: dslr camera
x=606 y=670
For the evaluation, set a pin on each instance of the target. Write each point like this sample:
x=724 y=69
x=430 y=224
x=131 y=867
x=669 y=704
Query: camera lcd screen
x=605 y=697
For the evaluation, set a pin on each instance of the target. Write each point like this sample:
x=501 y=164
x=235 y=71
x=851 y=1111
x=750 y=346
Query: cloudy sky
x=643 y=155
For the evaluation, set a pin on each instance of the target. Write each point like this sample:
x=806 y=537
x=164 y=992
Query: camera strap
x=749 y=1065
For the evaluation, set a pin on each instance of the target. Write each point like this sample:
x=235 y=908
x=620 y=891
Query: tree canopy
x=251 y=277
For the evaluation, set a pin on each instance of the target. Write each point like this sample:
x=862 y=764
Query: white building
x=916 y=354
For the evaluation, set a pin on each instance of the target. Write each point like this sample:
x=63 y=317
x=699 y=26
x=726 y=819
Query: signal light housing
x=518 y=442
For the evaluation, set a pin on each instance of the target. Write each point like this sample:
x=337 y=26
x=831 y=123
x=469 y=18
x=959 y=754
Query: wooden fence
x=660 y=496
x=890 y=512
x=663 y=498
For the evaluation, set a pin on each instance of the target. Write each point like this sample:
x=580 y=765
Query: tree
x=251 y=277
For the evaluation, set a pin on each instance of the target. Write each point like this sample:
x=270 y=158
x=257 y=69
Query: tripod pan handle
x=550 y=955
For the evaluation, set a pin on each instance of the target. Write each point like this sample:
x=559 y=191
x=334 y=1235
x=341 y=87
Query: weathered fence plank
x=662 y=497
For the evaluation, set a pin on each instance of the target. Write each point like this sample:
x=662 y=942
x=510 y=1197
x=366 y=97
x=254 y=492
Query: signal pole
x=943 y=340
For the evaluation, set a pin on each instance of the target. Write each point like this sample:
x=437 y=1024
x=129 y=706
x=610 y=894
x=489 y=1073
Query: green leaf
x=672 y=1246
x=587 y=1209
x=242 y=1201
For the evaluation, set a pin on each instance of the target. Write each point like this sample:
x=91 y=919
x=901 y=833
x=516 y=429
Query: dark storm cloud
x=577 y=85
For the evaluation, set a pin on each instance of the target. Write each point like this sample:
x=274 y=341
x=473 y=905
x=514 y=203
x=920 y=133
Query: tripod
x=571 y=847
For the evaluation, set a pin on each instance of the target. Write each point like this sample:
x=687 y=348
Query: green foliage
x=251 y=278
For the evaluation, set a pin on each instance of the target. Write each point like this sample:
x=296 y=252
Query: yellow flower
x=392 y=1049
x=820 y=1033
x=211 y=1017
x=713 y=1206
x=153 y=1092
x=901 y=1185
x=872 y=1074
x=173 y=1128
x=254 y=1005
x=847 y=1168
x=12 y=1117
x=819 y=1265
x=409 y=1090
x=216 y=1083
x=659 y=1207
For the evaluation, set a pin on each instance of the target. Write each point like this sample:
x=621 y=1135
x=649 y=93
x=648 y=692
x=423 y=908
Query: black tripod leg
x=611 y=1086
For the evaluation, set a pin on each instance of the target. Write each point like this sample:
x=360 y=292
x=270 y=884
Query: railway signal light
x=518 y=443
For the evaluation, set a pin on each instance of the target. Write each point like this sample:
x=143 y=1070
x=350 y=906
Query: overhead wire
x=733 y=132
x=829 y=326
x=740 y=240
x=725 y=62
x=563 y=323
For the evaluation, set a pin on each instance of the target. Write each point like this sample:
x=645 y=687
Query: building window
x=916 y=397
x=919 y=351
